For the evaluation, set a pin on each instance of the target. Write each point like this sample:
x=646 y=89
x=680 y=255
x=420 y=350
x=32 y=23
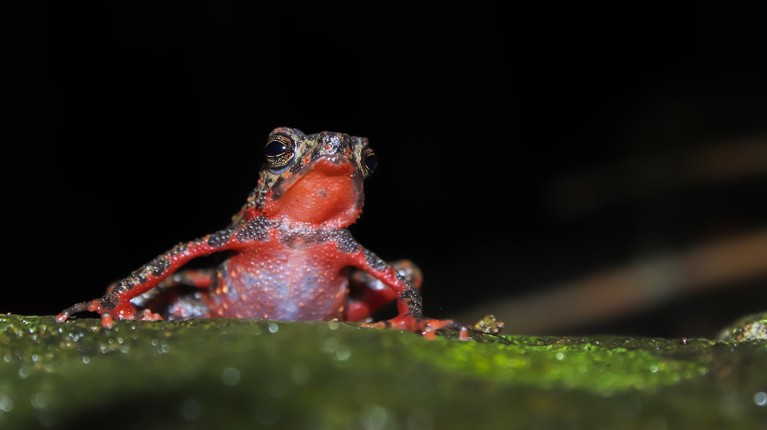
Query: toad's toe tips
x=74 y=309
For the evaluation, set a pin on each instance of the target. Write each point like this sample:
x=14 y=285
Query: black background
x=142 y=126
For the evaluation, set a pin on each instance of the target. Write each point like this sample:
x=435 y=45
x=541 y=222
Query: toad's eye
x=278 y=151
x=370 y=160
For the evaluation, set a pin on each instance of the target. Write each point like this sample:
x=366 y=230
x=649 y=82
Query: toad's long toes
x=74 y=309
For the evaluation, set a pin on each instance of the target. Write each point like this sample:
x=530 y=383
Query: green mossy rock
x=229 y=374
x=750 y=327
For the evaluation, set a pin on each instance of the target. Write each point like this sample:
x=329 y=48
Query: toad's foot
x=426 y=327
x=90 y=306
x=125 y=311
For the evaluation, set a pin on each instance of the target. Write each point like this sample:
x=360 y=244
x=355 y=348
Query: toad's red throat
x=329 y=194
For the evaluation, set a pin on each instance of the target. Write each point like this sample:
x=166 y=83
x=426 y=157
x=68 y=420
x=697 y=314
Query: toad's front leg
x=115 y=303
x=409 y=304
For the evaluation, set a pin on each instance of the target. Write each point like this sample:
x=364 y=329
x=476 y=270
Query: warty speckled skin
x=291 y=256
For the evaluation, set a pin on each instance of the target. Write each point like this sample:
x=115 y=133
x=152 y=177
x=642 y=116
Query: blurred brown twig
x=638 y=286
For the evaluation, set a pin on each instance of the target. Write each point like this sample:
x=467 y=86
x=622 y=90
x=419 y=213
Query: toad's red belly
x=286 y=285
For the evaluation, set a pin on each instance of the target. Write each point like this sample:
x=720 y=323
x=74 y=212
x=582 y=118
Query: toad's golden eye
x=278 y=151
x=370 y=160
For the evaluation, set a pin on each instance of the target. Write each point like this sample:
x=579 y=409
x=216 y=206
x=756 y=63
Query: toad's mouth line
x=329 y=165
x=332 y=166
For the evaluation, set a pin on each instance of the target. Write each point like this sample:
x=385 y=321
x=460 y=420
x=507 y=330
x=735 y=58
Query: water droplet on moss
x=24 y=372
x=164 y=347
x=6 y=403
x=40 y=400
x=343 y=353
x=230 y=376
x=375 y=418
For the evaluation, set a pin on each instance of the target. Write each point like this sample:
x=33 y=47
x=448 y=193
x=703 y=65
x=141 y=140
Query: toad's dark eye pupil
x=275 y=148
x=371 y=161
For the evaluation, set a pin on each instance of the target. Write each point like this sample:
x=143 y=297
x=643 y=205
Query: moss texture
x=325 y=375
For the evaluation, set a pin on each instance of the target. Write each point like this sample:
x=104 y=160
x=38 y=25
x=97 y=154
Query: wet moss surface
x=321 y=375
